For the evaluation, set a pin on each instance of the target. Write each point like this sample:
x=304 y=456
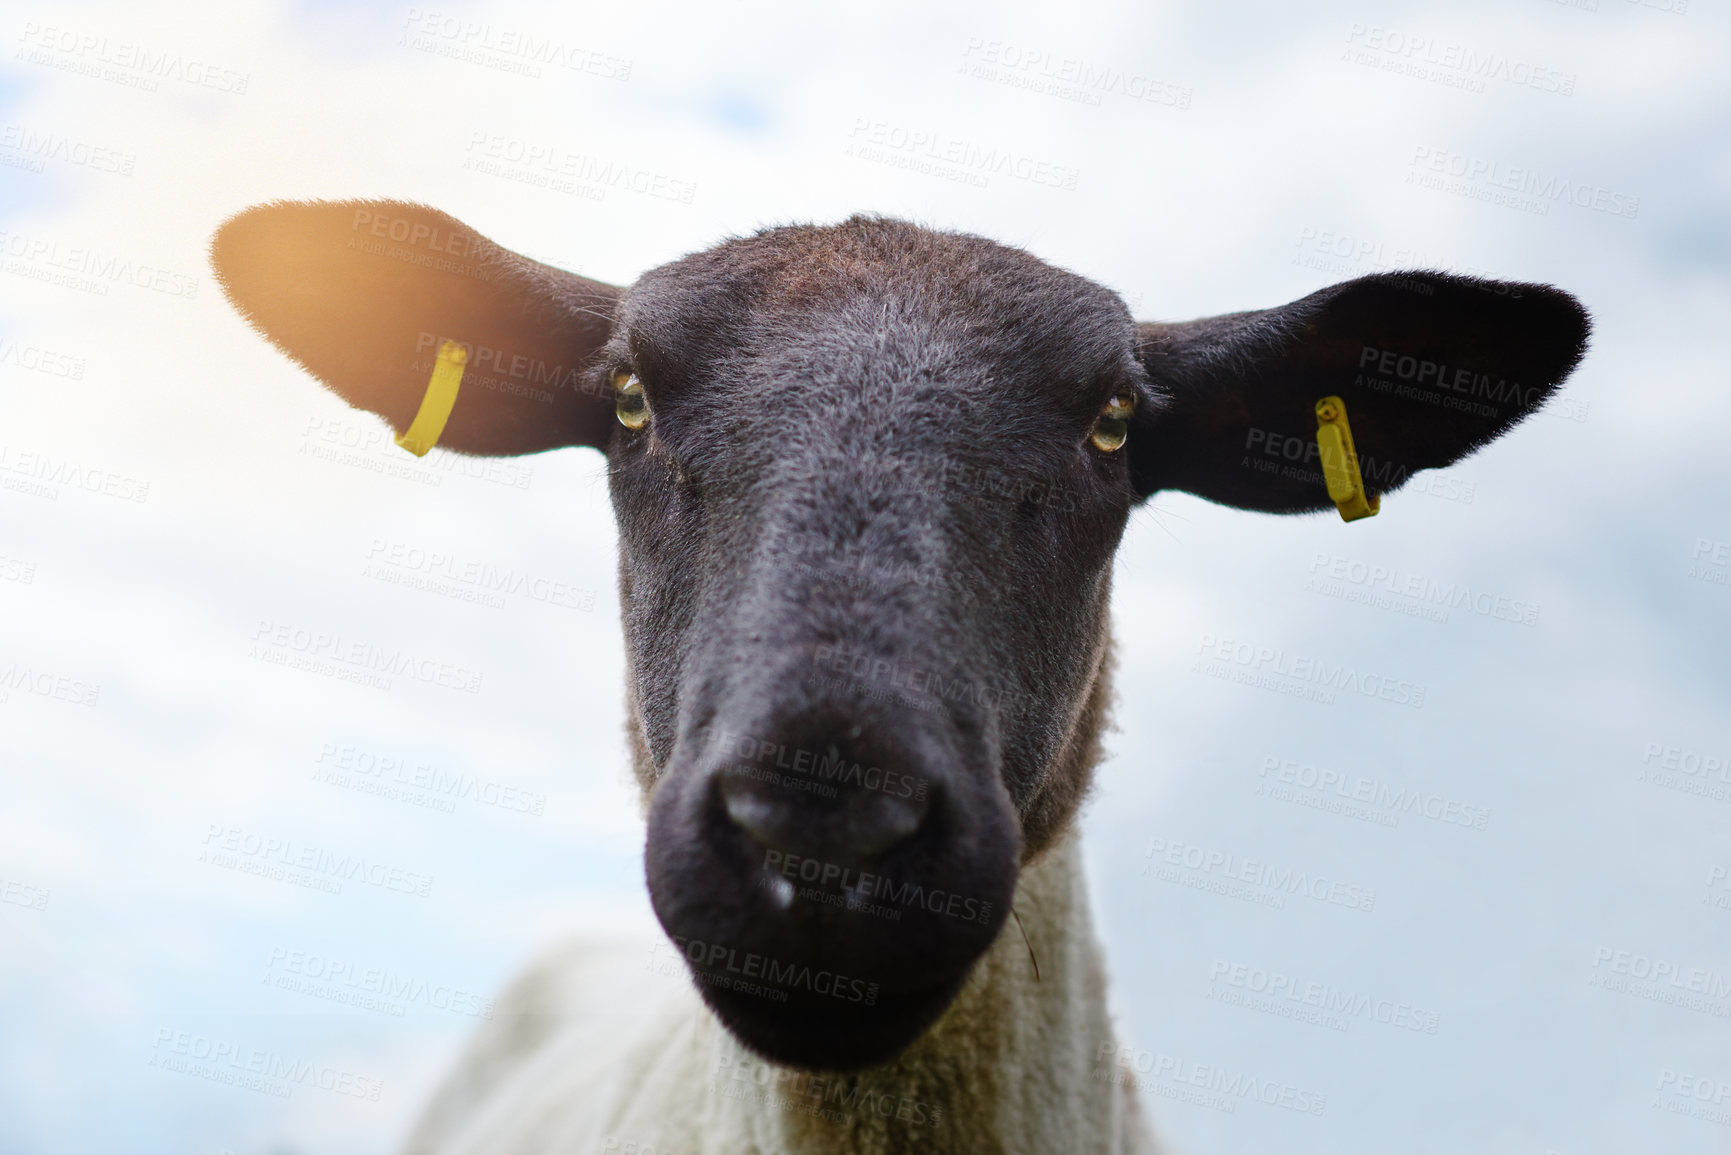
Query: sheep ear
x=364 y=293
x=1430 y=366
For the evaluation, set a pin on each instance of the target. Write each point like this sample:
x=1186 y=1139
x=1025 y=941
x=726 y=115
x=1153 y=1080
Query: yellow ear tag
x=1340 y=462
x=423 y=432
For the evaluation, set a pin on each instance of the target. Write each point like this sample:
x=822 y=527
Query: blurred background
x=1545 y=965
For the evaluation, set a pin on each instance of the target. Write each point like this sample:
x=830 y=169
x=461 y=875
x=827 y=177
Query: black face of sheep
x=869 y=480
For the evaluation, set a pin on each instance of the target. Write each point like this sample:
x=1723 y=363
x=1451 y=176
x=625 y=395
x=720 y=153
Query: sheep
x=869 y=479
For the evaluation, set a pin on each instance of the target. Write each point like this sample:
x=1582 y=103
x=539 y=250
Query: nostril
x=752 y=812
x=864 y=825
x=876 y=822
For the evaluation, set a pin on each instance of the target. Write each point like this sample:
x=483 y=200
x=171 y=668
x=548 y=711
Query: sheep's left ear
x=1430 y=366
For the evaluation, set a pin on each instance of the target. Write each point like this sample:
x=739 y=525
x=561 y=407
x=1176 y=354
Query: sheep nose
x=855 y=824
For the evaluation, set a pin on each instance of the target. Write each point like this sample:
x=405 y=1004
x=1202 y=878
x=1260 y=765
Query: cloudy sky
x=174 y=495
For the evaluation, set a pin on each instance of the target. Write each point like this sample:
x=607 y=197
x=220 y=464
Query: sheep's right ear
x=364 y=293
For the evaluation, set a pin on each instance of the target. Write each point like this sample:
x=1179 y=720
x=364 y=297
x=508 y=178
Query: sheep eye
x=1112 y=427
x=629 y=403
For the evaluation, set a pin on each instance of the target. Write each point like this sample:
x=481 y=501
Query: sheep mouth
x=823 y=1021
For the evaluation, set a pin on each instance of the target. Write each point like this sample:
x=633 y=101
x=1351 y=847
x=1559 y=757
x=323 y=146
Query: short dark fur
x=865 y=521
